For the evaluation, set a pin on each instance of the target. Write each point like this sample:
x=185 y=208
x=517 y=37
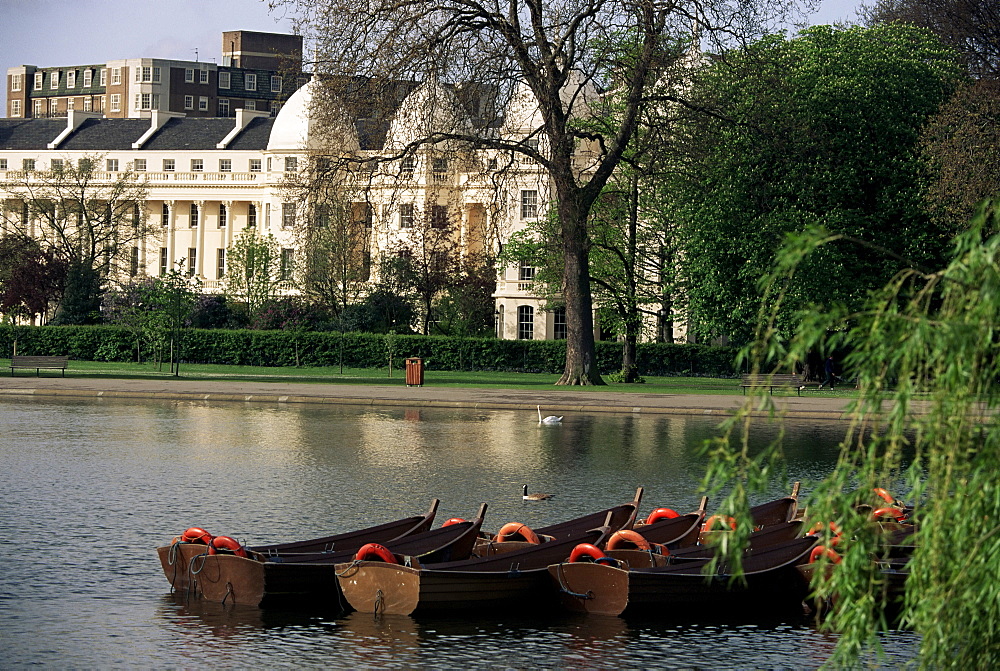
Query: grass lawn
x=370 y=376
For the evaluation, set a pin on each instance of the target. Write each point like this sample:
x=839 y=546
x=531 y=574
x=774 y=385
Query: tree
x=88 y=219
x=31 y=279
x=819 y=129
x=971 y=27
x=465 y=309
x=253 y=273
x=924 y=350
x=961 y=145
x=537 y=67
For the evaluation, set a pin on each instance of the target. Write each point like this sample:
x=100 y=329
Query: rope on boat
x=566 y=590
x=203 y=557
x=354 y=564
x=379 y=603
x=172 y=561
x=229 y=590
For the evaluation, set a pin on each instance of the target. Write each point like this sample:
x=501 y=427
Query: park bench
x=38 y=363
x=776 y=381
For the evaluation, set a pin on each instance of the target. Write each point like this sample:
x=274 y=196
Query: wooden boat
x=771 y=582
x=505 y=577
x=658 y=540
x=176 y=558
x=778 y=511
x=311 y=579
x=621 y=517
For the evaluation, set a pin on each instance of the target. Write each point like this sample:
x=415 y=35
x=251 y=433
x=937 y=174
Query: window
x=37 y=108
x=223 y=214
x=224 y=107
x=3 y=164
x=100 y=104
x=250 y=82
x=439 y=216
x=203 y=76
x=197 y=165
x=250 y=105
x=220 y=263
x=156 y=75
x=169 y=165
x=39 y=81
x=439 y=169
x=71 y=79
x=287 y=215
x=189 y=102
x=88 y=78
x=275 y=84
x=70 y=104
x=225 y=165
x=54 y=79
x=251 y=216
x=291 y=163
x=87 y=104
x=139 y=72
x=203 y=103
x=529 y=204
x=139 y=165
x=194 y=215
x=406 y=215
x=275 y=108
x=189 y=76
x=56 y=164
x=28 y=164
x=165 y=215
x=559 y=324
x=526 y=272
x=163 y=259
x=136 y=217
x=525 y=322
x=287 y=264
x=255 y=165
x=143 y=101
x=104 y=76
x=134 y=263
x=407 y=166
x=192 y=260
x=116 y=102
x=116 y=76
x=15 y=108
x=224 y=79
x=15 y=82
x=439 y=261
x=111 y=165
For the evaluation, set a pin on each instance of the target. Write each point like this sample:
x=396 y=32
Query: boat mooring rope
x=566 y=590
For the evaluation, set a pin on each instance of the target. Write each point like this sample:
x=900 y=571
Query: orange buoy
x=627 y=536
x=196 y=535
x=375 y=552
x=894 y=513
x=226 y=545
x=822 y=551
x=723 y=520
x=517 y=529
x=662 y=514
x=585 y=551
x=453 y=520
x=884 y=495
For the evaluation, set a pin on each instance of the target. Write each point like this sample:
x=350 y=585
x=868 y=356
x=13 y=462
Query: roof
x=101 y=135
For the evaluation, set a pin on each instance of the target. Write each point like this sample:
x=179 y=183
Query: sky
x=50 y=33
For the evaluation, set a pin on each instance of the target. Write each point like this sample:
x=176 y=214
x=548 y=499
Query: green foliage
x=365 y=350
x=924 y=350
x=253 y=270
x=819 y=130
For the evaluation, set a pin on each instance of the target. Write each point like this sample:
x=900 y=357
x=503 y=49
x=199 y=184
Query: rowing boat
x=176 y=558
x=310 y=579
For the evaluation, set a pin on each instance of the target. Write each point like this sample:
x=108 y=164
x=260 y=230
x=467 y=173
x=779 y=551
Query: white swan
x=533 y=497
x=551 y=419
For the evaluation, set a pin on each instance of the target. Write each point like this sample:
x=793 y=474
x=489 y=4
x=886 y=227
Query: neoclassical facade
x=209 y=179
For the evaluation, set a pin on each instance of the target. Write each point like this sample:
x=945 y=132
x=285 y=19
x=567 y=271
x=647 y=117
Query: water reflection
x=92 y=486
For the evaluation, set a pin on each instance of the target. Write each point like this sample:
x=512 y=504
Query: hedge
x=365 y=350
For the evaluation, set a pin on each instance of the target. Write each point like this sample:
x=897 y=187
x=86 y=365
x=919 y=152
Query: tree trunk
x=581 y=351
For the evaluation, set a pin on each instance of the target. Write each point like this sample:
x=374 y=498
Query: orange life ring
x=894 y=513
x=884 y=495
x=723 y=519
x=453 y=520
x=627 y=536
x=517 y=529
x=196 y=535
x=819 y=526
x=823 y=551
x=588 y=550
x=662 y=514
x=375 y=552
x=227 y=545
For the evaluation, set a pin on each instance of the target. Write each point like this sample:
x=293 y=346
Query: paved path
x=559 y=401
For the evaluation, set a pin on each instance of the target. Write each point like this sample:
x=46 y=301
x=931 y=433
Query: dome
x=430 y=108
x=295 y=128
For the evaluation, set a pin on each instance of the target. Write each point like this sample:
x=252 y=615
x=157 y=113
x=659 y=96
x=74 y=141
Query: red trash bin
x=414 y=372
